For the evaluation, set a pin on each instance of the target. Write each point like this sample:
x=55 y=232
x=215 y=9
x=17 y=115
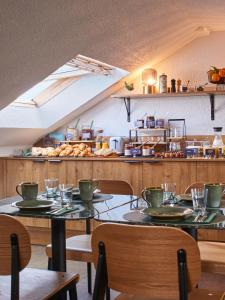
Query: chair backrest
x=142 y=260
x=193 y=186
x=118 y=187
x=8 y=226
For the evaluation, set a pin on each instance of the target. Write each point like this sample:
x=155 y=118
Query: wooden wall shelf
x=127 y=98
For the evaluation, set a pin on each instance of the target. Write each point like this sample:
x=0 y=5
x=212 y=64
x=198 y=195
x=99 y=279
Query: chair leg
x=73 y=292
x=50 y=264
x=89 y=278
x=108 y=293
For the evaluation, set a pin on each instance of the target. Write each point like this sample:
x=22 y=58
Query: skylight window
x=60 y=79
x=32 y=93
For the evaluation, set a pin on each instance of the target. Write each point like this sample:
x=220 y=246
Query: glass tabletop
x=132 y=213
x=82 y=209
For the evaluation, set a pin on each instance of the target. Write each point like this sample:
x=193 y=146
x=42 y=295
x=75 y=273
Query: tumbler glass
x=51 y=186
x=199 y=199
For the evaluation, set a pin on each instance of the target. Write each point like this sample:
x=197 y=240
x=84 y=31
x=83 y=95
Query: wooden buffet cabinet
x=140 y=172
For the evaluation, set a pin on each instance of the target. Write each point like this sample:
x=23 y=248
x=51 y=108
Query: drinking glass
x=51 y=186
x=199 y=199
x=66 y=193
x=169 y=192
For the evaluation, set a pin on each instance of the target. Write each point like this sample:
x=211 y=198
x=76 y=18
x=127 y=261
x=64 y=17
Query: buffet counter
x=139 y=172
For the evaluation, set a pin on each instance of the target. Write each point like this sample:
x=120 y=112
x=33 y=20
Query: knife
x=64 y=210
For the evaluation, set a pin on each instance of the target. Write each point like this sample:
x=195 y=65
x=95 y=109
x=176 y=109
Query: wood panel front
x=39 y=173
x=57 y=169
x=17 y=171
x=3 y=178
x=119 y=170
x=211 y=171
x=76 y=170
x=181 y=173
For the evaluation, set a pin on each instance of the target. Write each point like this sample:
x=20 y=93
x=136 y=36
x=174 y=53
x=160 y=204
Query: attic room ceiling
x=39 y=36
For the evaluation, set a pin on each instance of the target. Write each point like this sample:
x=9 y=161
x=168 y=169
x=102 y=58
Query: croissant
x=63 y=146
x=82 y=146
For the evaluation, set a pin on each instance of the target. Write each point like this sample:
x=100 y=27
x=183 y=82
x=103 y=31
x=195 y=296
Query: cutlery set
x=62 y=210
x=207 y=217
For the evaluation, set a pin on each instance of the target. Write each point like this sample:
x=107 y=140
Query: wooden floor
x=39 y=260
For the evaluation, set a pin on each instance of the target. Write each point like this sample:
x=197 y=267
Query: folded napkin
x=210 y=217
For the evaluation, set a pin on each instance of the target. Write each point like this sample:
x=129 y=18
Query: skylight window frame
x=82 y=65
x=46 y=95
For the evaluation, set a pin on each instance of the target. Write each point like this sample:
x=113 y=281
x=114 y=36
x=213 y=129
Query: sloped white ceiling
x=39 y=36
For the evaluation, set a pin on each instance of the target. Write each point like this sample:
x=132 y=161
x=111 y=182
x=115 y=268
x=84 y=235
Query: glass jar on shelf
x=86 y=133
x=98 y=138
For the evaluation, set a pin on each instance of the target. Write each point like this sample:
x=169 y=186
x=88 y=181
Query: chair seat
x=213 y=281
x=212 y=257
x=78 y=248
x=197 y=294
x=37 y=284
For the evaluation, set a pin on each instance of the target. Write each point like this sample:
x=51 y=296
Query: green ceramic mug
x=27 y=190
x=87 y=187
x=153 y=195
x=215 y=193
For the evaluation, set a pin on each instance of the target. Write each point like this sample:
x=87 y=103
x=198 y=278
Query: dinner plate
x=33 y=204
x=185 y=197
x=97 y=197
x=167 y=212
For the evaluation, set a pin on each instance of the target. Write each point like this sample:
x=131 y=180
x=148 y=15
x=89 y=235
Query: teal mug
x=153 y=195
x=87 y=187
x=215 y=193
x=27 y=190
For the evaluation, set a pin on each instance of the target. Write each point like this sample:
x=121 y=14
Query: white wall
x=190 y=63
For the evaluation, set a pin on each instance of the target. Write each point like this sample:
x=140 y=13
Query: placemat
x=137 y=217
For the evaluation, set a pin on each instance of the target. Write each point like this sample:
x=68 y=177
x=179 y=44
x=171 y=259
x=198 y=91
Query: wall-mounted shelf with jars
x=148 y=135
x=127 y=98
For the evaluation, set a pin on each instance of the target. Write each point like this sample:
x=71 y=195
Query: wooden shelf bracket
x=127 y=105
x=212 y=105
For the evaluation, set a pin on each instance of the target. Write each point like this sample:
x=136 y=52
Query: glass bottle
x=98 y=138
x=218 y=141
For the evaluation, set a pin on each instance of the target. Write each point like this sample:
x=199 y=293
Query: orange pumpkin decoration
x=215 y=77
x=222 y=72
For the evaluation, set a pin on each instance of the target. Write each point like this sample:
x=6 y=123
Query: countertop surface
x=121 y=158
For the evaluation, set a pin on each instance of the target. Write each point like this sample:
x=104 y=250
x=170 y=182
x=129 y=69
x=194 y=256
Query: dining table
x=78 y=210
x=136 y=213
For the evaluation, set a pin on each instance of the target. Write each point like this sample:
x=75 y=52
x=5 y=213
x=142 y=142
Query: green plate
x=33 y=204
x=185 y=197
x=167 y=212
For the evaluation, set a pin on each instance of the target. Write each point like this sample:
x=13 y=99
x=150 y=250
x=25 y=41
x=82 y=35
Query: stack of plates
x=33 y=204
x=167 y=212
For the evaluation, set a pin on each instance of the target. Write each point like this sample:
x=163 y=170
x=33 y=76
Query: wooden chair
x=78 y=248
x=192 y=186
x=212 y=253
x=27 y=283
x=144 y=262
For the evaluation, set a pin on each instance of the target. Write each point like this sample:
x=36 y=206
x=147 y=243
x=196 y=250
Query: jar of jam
x=136 y=151
x=145 y=150
x=139 y=123
x=128 y=150
x=86 y=133
x=150 y=122
x=159 y=123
